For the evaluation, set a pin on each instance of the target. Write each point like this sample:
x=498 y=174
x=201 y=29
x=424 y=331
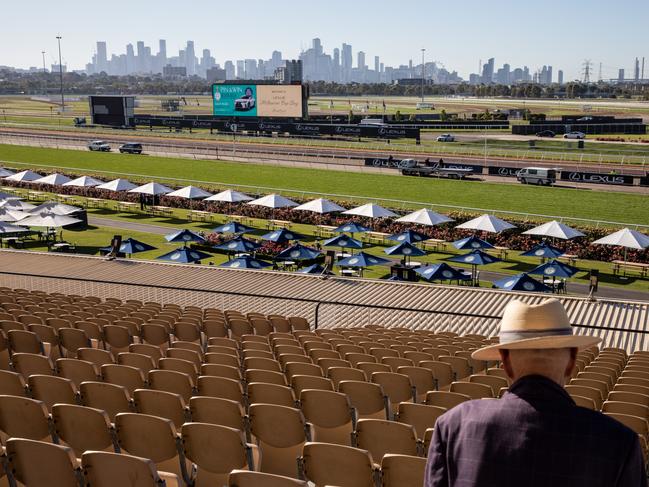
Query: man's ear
x=507 y=364
x=572 y=363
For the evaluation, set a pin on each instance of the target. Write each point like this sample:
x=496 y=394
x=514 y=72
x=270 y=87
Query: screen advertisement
x=243 y=100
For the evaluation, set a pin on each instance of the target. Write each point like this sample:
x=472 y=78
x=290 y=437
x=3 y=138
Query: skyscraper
x=488 y=71
x=139 y=60
x=190 y=58
x=346 y=63
x=130 y=59
x=102 y=57
x=560 y=76
x=361 y=60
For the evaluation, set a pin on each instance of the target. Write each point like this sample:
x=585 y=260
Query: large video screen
x=242 y=100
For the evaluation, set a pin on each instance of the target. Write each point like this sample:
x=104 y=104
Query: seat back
x=401 y=470
x=21 y=417
x=221 y=387
x=380 y=437
x=214 y=410
x=343 y=466
x=330 y=415
x=40 y=464
x=397 y=387
x=259 y=392
x=419 y=416
x=52 y=390
x=111 y=398
x=246 y=478
x=102 y=469
x=171 y=381
x=442 y=372
x=472 y=389
x=368 y=399
x=83 y=428
x=161 y=403
x=445 y=399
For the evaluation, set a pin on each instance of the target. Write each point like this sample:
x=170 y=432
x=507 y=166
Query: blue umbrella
x=237 y=245
x=184 y=255
x=521 y=282
x=245 y=262
x=543 y=250
x=298 y=252
x=343 y=241
x=554 y=268
x=351 y=227
x=282 y=236
x=409 y=236
x=472 y=243
x=440 y=272
x=475 y=258
x=130 y=246
x=361 y=260
x=313 y=269
x=184 y=236
x=406 y=249
x=233 y=227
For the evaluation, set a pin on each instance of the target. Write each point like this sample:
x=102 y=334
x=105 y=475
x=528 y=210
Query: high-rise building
x=346 y=63
x=620 y=75
x=139 y=60
x=636 y=71
x=317 y=46
x=229 y=70
x=241 y=69
x=488 y=71
x=190 y=58
x=560 y=76
x=101 y=63
x=130 y=59
x=361 y=60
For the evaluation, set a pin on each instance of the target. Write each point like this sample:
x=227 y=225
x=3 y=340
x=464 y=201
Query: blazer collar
x=537 y=388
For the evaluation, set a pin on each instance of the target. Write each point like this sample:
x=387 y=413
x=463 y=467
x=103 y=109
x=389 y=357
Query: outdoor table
x=325 y=230
x=343 y=255
x=502 y=252
x=95 y=203
x=280 y=224
x=376 y=237
x=435 y=243
x=413 y=263
x=127 y=206
x=350 y=272
x=161 y=210
x=571 y=258
x=619 y=265
x=61 y=246
x=239 y=218
x=286 y=264
x=65 y=198
x=16 y=242
x=553 y=283
x=35 y=195
x=199 y=215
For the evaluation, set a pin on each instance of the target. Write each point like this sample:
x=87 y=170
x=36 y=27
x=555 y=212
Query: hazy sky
x=458 y=34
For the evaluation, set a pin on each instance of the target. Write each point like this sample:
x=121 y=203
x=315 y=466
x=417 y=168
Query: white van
x=537 y=175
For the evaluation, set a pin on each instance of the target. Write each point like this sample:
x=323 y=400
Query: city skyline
x=509 y=31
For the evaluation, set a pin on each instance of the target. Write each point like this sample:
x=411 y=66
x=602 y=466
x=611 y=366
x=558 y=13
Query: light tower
x=587 y=68
x=58 y=38
x=423 y=72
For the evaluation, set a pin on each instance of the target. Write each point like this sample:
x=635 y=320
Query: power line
x=587 y=68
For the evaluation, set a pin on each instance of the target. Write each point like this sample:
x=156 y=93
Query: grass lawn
x=566 y=203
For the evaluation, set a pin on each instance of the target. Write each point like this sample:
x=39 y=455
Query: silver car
x=574 y=135
x=99 y=145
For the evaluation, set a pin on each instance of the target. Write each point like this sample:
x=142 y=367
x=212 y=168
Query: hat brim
x=491 y=352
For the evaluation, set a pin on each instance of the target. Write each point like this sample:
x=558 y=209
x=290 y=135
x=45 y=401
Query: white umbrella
x=6 y=228
x=230 y=196
x=152 y=189
x=53 y=180
x=8 y=215
x=273 y=201
x=554 y=229
x=24 y=176
x=84 y=182
x=56 y=208
x=16 y=205
x=425 y=217
x=321 y=206
x=5 y=172
x=190 y=193
x=486 y=223
x=117 y=185
x=370 y=210
x=49 y=220
x=626 y=238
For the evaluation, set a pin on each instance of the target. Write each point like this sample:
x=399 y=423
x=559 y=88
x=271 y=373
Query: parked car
x=545 y=133
x=574 y=135
x=445 y=138
x=537 y=175
x=99 y=145
x=131 y=148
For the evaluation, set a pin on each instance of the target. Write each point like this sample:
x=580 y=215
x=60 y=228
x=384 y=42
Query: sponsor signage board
x=252 y=100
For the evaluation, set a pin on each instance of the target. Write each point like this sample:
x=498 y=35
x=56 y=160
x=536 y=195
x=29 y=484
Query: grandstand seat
x=266 y=376
x=123 y=375
x=171 y=381
x=152 y=351
x=179 y=365
x=138 y=360
x=338 y=374
x=246 y=478
x=221 y=387
x=445 y=399
x=23 y=341
x=496 y=383
x=401 y=470
x=473 y=389
x=370 y=367
x=156 y=335
x=586 y=391
x=442 y=372
x=319 y=353
x=628 y=408
x=343 y=466
x=422 y=380
x=97 y=356
x=83 y=428
x=111 y=398
x=395 y=362
x=262 y=364
x=260 y=392
x=631 y=388
x=214 y=410
x=302 y=382
x=193 y=356
x=330 y=414
x=631 y=397
x=57 y=465
x=602 y=387
x=326 y=363
x=160 y=403
x=368 y=399
x=218 y=370
x=300 y=368
x=460 y=366
x=104 y=469
x=72 y=339
x=52 y=390
x=27 y=364
x=420 y=416
x=397 y=387
x=12 y=383
x=380 y=437
x=21 y=417
x=636 y=423
x=281 y=433
x=117 y=338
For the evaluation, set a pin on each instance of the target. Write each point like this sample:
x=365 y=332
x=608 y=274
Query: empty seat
x=160 y=403
x=231 y=360
x=72 y=339
x=370 y=367
x=460 y=365
x=366 y=398
x=267 y=376
x=260 y=392
x=52 y=390
x=380 y=437
x=343 y=466
x=584 y=402
x=77 y=371
x=123 y=375
x=300 y=368
x=402 y=470
x=584 y=391
x=262 y=364
x=472 y=389
x=301 y=382
x=330 y=414
x=214 y=410
x=420 y=416
x=154 y=352
x=397 y=387
x=221 y=387
x=422 y=380
x=103 y=469
x=632 y=397
x=629 y=408
x=83 y=428
x=97 y=356
x=496 y=383
x=172 y=381
x=246 y=478
x=442 y=372
x=179 y=365
x=138 y=360
x=445 y=399
x=27 y=364
x=11 y=383
x=21 y=417
x=38 y=464
x=22 y=341
x=111 y=398
x=339 y=374
x=281 y=433
x=395 y=362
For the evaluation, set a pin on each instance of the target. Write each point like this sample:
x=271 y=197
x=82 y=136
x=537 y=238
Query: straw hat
x=534 y=326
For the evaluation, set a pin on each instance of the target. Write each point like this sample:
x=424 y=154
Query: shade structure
x=351 y=227
x=56 y=208
x=190 y=193
x=361 y=260
x=230 y=196
x=11 y=216
x=343 y=241
x=521 y=282
x=8 y=196
x=409 y=236
x=16 y=205
x=184 y=255
x=321 y=205
x=131 y=246
x=238 y=245
x=25 y=176
x=49 y=220
x=282 y=236
x=152 y=189
x=554 y=229
x=370 y=210
x=486 y=223
x=245 y=262
x=544 y=251
x=555 y=268
x=117 y=185
x=472 y=243
x=84 y=182
x=273 y=201
x=298 y=252
x=53 y=179
x=8 y=229
x=440 y=272
x=425 y=217
x=5 y=172
x=406 y=249
x=627 y=238
x=475 y=257
x=184 y=236
x=314 y=269
x=233 y=227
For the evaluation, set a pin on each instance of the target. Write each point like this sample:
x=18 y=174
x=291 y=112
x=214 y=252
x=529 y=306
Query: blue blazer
x=534 y=436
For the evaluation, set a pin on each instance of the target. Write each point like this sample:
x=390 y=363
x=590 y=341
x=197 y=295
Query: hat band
x=510 y=336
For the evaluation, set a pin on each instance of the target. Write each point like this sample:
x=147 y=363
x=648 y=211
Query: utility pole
x=58 y=38
x=44 y=69
x=423 y=73
x=44 y=75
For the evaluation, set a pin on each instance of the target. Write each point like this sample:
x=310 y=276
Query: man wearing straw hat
x=535 y=435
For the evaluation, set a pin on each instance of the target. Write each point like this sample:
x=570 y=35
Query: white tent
x=273 y=201
x=626 y=238
x=370 y=210
x=26 y=176
x=5 y=172
x=424 y=217
x=49 y=220
x=16 y=205
x=11 y=216
x=554 y=229
x=321 y=206
x=53 y=179
x=6 y=228
x=230 y=196
x=152 y=189
x=117 y=185
x=486 y=223
x=190 y=193
x=84 y=182
x=56 y=208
